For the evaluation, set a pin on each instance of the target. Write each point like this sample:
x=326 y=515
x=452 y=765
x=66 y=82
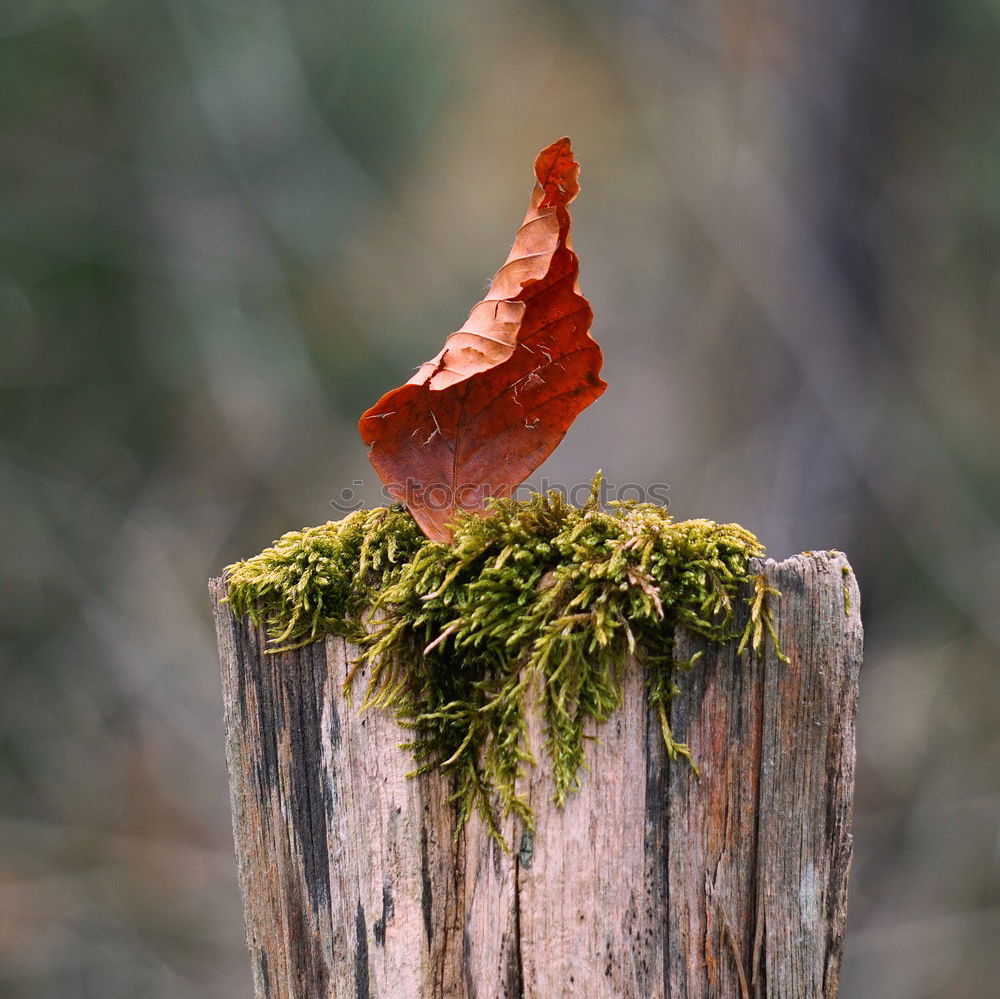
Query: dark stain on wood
x=361 y=954
x=513 y=987
x=426 y=889
x=378 y=927
x=303 y=676
x=263 y=974
x=255 y=696
x=308 y=967
x=655 y=846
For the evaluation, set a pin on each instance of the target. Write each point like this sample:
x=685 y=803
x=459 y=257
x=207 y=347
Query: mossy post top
x=538 y=603
x=646 y=881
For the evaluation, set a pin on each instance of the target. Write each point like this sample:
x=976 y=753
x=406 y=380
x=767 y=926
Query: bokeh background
x=227 y=227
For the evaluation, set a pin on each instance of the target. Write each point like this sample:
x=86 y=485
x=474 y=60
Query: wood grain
x=650 y=883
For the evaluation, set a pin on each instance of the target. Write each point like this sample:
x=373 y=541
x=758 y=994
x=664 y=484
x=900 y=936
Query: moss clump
x=532 y=608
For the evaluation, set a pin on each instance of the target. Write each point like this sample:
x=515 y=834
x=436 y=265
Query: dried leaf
x=476 y=420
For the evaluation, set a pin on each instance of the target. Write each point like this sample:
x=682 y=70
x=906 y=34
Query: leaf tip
x=558 y=173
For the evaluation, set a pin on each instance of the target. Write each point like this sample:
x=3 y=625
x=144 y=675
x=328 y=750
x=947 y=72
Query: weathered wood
x=650 y=883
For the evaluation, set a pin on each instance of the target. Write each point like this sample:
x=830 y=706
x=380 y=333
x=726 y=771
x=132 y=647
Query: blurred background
x=226 y=228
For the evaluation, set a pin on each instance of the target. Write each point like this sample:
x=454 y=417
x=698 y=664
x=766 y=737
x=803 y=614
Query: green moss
x=532 y=608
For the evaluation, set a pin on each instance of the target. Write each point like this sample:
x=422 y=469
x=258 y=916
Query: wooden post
x=652 y=883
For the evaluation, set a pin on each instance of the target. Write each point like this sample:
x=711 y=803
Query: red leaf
x=479 y=418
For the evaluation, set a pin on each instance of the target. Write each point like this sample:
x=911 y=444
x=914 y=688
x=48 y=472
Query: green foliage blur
x=226 y=229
